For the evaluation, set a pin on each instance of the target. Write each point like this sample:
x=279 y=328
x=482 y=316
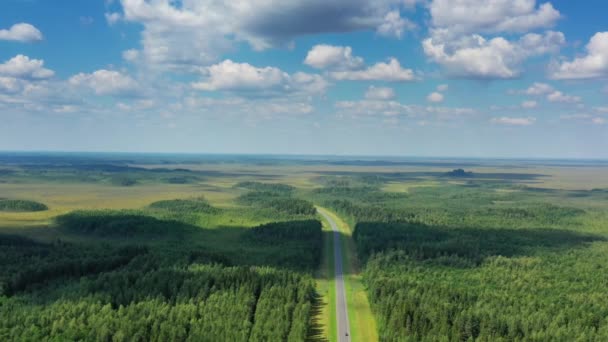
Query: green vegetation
x=213 y=248
x=275 y=196
x=198 y=205
x=21 y=205
x=176 y=288
x=266 y=187
x=301 y=242
x=481 y=261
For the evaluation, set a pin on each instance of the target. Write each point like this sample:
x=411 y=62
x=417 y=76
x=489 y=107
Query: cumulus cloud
x=394 y=25
x=180 y=34
x=390 y=71
x=558 y=96
x=497 y=58
x=22 y=32
x=106 y=82
x=442 y=87
x=344 y=66
x=379 y=93
x=593 y=65
x=492 y=16
x=435 y=97
x=511 y=121
x=539 y=89
x=246 y=78
x=599 y=121
x=457 y=41
x=23 y=67
x=529 y=104
x=333 y=57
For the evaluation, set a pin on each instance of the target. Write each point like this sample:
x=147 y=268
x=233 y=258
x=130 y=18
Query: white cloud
x=10 y=85
x=394 y=108
x=113 y=18
x=442 y=87
x=529 y=104
x=586 y=118
x=246 y=78
x=106 y=82
x=183 y=34
x=492 y=16
x=333 y=57
x=394 y=25
x=379 y=93
x=577 y=116
x=539 y=89
x=253 y=109
x=497 y=58
x=435 y=97
x=601 y=109
x=22 y=32
x=390 y=72
x=510 y=121
x=130 y=55
x=558 y=96
x=457 y=43
x=23 y=67
x=592 y=65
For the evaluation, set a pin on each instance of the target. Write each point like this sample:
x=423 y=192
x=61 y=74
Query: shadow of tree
x=462 y=247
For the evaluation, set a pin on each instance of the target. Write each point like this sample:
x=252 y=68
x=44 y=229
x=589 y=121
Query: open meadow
x=128 y=247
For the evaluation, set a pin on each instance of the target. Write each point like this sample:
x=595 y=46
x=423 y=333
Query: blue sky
x=479 y=78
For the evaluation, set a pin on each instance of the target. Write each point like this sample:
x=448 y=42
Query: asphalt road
x=341 y=306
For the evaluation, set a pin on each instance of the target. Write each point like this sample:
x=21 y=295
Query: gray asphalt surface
x=341 y=306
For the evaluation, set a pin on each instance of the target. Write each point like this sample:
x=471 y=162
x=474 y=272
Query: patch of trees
x=277 y=197
x=116 y=223
x=21 y=205
x=181 y=179
x=187 y=206
x=459 y=173
x=279 y=203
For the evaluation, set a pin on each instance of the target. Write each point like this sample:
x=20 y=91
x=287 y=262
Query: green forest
x=152 y=275
x=480 y=261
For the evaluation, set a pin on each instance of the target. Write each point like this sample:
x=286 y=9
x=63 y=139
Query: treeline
x=186 y=206
x=116 y=223
x=531 y=215
x=266 y=187
x=277 y=197
x=21 y=205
